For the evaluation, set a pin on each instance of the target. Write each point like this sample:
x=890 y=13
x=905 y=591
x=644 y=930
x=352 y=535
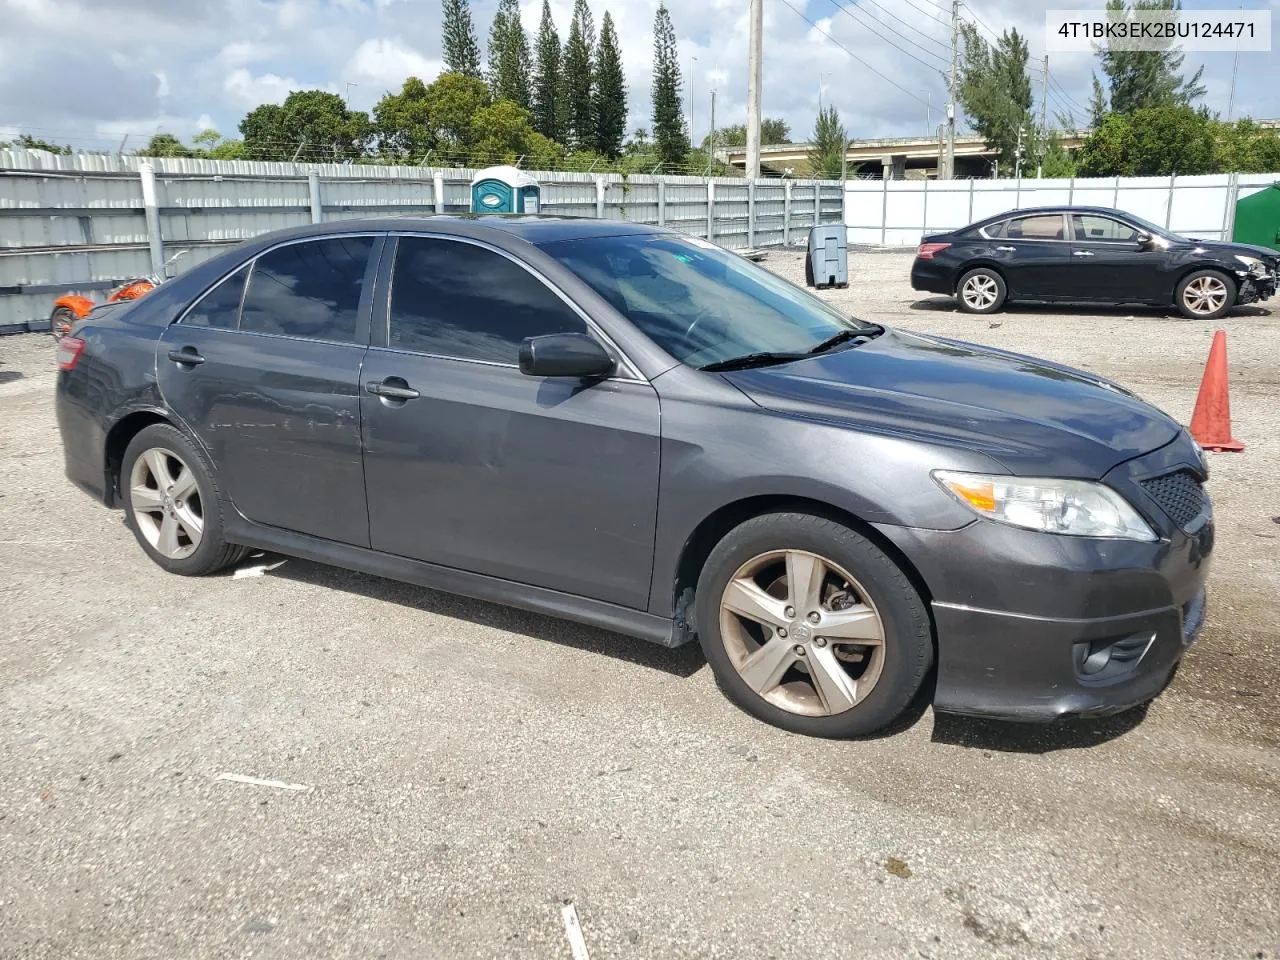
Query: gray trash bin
x=827 y=264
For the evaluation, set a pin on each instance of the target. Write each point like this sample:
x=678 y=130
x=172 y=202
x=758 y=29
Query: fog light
x=1110 y=658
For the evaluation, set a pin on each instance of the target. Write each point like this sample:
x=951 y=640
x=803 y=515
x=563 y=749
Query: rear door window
x=220 y=307
x=310 y=290
x=1038 y=227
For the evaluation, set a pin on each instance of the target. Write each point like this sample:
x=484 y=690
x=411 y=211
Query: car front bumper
x=1255 y=289
x=1032 y=626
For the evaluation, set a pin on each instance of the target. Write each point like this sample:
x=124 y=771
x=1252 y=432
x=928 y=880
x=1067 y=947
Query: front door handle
x=1082 y=253
x=1007 y=249
x=186 y=357
x=393 y=388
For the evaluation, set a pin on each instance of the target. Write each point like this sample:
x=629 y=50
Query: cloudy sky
x=88 y=72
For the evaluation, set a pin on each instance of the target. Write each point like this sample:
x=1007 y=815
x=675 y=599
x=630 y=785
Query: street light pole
x=692 y=61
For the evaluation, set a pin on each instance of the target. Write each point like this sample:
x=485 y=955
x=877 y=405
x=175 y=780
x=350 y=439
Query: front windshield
x=700 y=303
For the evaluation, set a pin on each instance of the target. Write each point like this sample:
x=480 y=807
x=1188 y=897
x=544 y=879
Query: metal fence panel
x=79 y=223
x=900 y=212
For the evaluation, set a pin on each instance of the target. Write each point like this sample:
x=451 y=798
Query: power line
x=856 y=19
x=935 y=16
x=887 y=79
x=893 y=17
x=979 y=21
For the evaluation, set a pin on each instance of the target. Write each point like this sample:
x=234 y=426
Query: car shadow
x=8 y=376
x=680 y=662
x=1035 y=738
x=948 y=305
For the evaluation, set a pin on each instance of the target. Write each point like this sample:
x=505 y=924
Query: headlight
x=1076 y=508
x=1256 y=267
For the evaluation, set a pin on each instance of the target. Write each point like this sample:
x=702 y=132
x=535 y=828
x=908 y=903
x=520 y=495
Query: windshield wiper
x=752 y=360
x=844 y=336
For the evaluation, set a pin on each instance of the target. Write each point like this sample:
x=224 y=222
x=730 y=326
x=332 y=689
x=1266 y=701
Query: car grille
x=1179 y=494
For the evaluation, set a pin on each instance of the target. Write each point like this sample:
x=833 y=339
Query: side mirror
x=565 y=355
x=1144 y=241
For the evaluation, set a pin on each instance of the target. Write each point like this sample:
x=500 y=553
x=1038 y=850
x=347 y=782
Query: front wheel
x=1206 y=295
x=808 y=626
x=981 y=291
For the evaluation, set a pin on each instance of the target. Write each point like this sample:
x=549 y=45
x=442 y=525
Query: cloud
x=382 y=64
x=248 y=91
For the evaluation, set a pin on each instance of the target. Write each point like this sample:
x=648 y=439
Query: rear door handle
x=187 y=357
x=1082 y=253
x=391 y=389
x=1007 y=249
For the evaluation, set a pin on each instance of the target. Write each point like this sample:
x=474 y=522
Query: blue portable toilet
x=504 y=190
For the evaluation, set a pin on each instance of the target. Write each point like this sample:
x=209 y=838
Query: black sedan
x=1091 y=255
x=639 y=430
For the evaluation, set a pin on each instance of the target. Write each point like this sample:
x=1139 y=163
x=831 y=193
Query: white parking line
x=573 y=930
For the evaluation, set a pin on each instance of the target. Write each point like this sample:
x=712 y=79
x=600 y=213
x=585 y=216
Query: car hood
x=1236 y=249
x=1034 y=417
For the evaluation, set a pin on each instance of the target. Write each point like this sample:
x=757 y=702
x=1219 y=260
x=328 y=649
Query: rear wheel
x=981 y=291
x=810 y=627
x=61 y=321
x=172 y=505
x=1206 y=295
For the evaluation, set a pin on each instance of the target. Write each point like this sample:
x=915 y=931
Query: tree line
x=1145 y=114
x=544 y=103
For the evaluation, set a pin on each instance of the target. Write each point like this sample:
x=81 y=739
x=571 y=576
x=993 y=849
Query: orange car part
x=131 y=291
x=78 y=305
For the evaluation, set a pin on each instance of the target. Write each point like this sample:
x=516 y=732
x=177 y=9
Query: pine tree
x=579 y=112
x=509 y=55
x=461 y=51
x=610 y=93
x=546 y=82
x=1144 y=78
x=668 y=115
x=830 y=141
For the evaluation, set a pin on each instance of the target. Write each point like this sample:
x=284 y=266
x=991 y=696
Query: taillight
x=927 y=250
x=69 y=350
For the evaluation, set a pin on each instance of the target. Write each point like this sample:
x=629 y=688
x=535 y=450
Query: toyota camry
x=636 y=429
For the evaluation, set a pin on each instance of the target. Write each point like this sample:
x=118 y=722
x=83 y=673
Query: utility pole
x=951 y=105
x=1044 y=114
x=753 y=89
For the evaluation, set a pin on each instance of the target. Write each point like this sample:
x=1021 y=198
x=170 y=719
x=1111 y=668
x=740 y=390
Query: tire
x=61 y=321
x=1206 y=295
x=861 y=591
x=161 y=453
x=981 y=291
x=808 y=271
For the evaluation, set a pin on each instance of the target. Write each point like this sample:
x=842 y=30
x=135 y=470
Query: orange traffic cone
x=1211 y=422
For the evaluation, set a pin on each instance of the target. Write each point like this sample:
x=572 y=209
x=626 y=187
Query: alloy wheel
x=802 y=633
x=980 y=292
x=166 y=503
x=1205 y=295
